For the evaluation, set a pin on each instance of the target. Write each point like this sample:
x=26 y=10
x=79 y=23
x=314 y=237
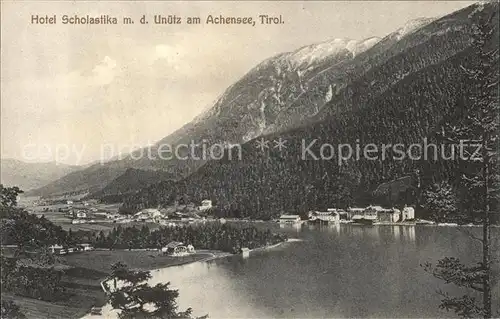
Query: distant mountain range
x=28 y=176
x=340 y=88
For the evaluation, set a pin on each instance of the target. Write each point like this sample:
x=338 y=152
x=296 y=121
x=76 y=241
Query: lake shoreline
x=210 y=255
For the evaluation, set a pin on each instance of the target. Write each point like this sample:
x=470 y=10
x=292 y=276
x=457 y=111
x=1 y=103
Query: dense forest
x=30 y=270
x=216 y=236
x=423 y=89
x=129 y=182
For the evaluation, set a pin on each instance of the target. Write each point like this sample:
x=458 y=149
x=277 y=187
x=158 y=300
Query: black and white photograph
x=249 y=159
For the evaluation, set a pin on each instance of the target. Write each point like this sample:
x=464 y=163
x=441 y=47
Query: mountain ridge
x=417 y=90
x=31 y=175
x=274 y=96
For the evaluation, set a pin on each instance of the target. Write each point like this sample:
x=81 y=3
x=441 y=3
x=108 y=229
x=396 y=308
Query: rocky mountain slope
x=415 y=84
x=244 y=111
x=288 y=91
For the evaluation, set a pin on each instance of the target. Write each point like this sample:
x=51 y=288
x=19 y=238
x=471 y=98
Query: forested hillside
x=279 y=94
x=404 y=100
x=129 y=182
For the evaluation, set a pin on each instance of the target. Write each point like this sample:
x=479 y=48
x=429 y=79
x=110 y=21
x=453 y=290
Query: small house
x=205 y=204
x=80 y=214
x=343 y=215
x=175 y=248
x=245 y=252
x=148 y=214
x=330 y=216
x=372 y=211
x=389 y=215
x=354 y=211
x=85 y=247
x=289 y=219
x=408 y=213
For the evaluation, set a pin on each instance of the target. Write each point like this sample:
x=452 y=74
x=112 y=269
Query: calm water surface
x=331 y=272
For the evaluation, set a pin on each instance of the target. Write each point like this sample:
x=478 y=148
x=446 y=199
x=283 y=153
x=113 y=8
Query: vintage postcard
x=251 y=159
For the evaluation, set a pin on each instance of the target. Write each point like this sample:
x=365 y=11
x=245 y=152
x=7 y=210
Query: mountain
x=284 y=92
x=400 y=91
x=28 y=176
x=244 y=111
x=130 y=181
x=81 y=181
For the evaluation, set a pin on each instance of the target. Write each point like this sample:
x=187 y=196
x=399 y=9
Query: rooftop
x=289 y=216
x=174 y=244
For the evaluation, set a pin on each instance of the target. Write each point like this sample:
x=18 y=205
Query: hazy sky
x=89 y=87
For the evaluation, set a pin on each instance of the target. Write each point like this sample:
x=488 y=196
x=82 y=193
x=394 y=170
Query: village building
x=56 y=249
x=371 y=212
x=176 y=248
x=85 y=247
x=78 y=214
x=343 y=215
x=374 y=214
x=408 y=213
x=330 y=216
x=245 y=252
x=354 y=211
x=289 y=219
x=205 y=205
x=389 y=215
x=148 y=213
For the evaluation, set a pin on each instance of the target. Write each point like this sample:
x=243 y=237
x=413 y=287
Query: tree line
x=216 y=236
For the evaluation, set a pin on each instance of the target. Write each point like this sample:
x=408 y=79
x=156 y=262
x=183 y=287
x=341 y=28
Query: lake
x=328 y=272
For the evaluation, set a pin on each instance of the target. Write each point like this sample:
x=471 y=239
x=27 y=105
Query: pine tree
x=135 y=295
x=478 y=129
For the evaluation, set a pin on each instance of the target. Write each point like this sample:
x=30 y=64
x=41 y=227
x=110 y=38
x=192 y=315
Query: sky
x=70 y=91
